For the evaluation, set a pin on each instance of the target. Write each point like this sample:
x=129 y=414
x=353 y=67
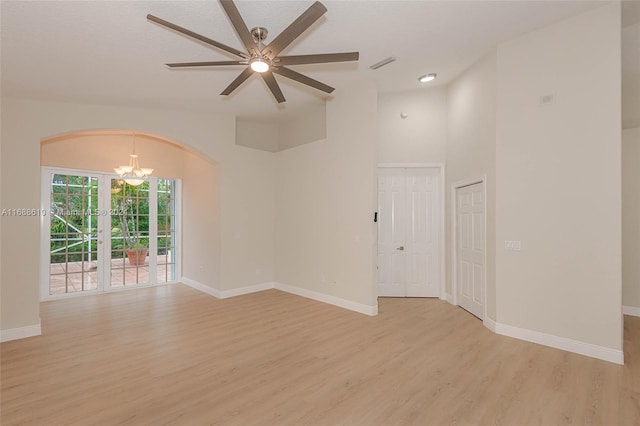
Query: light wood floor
x=172 y=355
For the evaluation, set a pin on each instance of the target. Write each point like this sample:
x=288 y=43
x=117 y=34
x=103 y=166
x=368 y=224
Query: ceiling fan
x=261 y=59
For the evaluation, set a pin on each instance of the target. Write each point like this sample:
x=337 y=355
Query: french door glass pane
x=133 y=218
x=166 y=250
x=129 y=233
x=73 y=254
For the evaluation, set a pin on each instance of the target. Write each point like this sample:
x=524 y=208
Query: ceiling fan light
x=427 y=77
x=259 y=65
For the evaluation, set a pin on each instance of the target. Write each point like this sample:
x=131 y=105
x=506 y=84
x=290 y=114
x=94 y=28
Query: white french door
x=470 y=248
x=99 y=233
x=409 y=224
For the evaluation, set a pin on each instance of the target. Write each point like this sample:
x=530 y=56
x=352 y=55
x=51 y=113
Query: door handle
x=99 y=242
x=401 y=248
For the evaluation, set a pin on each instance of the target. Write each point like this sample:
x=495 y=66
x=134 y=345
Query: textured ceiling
x=107 y=52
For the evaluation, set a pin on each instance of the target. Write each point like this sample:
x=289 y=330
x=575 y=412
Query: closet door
x=470 y=248
x=391 y=232
x=408 y=232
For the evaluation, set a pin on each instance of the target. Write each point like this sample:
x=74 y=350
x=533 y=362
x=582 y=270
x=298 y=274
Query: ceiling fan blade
x=273 y=86
x=205 y=64
x=239 y=25
x=293 y=75
x=297 y=27
x=196 y=36
x=317 y=59
x=238 y=81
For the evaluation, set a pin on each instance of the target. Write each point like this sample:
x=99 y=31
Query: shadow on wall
x=305 y=125
x=102 y=150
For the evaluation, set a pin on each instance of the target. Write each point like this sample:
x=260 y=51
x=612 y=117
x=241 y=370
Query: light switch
x=513 y=245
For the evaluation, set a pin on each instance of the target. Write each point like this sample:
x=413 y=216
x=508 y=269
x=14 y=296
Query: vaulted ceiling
x=106 y=52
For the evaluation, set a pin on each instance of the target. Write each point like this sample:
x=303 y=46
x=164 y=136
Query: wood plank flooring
x=172 y=355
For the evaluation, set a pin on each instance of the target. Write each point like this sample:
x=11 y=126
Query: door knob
x=400 y=248
x=99 y=242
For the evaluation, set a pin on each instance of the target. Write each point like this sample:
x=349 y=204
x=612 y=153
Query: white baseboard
x=20 y=332
x=449 y=298
x=320 y=297
x=631 y=310
x=331 y=300
x=570 y=345
x=224 y=294
x=201 y=287
x=563 y=343
x=490 y=324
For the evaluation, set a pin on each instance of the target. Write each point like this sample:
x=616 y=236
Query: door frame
x=442 y=228
x=45 y=211
x=482 y=179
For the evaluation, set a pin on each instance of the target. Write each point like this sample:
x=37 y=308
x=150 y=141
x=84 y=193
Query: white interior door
x=470 y=248
x=408 y=232
x=391 y=232
x=422 y=213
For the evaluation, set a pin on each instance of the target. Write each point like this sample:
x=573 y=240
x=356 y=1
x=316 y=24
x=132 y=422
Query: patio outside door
x=101 y=233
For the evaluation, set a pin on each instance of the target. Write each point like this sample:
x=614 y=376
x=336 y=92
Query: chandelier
x=132 y=173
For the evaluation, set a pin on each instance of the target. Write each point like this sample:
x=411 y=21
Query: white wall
x=307 y=124
x=631 y=217
x=247 y=192
x=325 y=204
x=201 y=221
x=262 y=135
x=631 y=69
x=559 y=173
x=471 y=152
x=419 y=138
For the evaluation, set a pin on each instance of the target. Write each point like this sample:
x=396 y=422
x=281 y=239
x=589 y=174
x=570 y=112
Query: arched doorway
x=103 y=232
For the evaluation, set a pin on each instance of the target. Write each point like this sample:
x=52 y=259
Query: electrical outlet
x=513 y=245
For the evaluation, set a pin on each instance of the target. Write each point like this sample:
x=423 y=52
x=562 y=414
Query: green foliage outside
x=74 y=200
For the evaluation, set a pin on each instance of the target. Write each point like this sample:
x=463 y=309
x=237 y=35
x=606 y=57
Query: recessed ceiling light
x=427 y=77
